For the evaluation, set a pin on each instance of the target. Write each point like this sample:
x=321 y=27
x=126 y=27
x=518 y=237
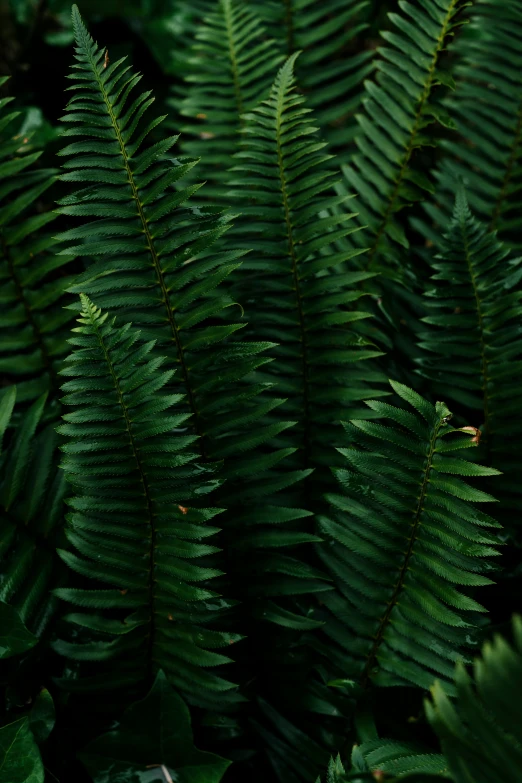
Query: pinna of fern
x=487 y=152
x=406 y=546
x=144 y=234
x=32 y=284
x=138 y=522
x=300 y=292
x=232 y=67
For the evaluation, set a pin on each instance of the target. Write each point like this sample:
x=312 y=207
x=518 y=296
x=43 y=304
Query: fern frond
x=232 y=67
x=31 y=512
x=471 y=344
x=481 y=731
x=487 y=108
x=329 y=73
x=405 y=545
x=138 y=526
x=32 y=281
x=156 y=269
x=472 y=350
x=401 y=107
x=297 y=297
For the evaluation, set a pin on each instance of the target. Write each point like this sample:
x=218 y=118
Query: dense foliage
x=260 y=364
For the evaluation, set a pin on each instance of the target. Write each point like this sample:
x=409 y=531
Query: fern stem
x=383 y=624
x=413 y=136
x=296 y=281
x=233 y=58
x=478 y=302
x=143 y=478
x=48 y=364
x=154 y=256
x=502 y=194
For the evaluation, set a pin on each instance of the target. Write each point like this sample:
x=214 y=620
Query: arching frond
x=32 y=282
x=400 y=109
x=296 y=296
x=31 y=512
x=139 y=525
x=330 y=74
x=487 y=108
x=233 y=64
x=405 y=545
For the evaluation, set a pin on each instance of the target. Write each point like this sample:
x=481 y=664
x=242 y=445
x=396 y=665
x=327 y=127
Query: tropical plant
x=252 y=501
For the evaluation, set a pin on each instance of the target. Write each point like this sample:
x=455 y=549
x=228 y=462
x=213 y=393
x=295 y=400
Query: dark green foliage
x=233 y=64
x=20 y=760
x=488 y=154
x=405 y=547
x=138 y=521
x=481 y=732
x=199 y=554
x=31 y=497
x=295 y=296
x=402 y=110
x=472 y=350
x=329 y=72
x=127 y=750
x=32 y=322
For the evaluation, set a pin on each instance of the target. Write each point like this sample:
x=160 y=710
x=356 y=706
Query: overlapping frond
x=330 y=74
x=138 y=526
x=481 y=731
x=406 y=546
x=472 y=347
x=32 y=280
x=298 y=292
x=400 y=109
x=232 y=67
x=487 y=108
x=155 y=268
x=31 y=512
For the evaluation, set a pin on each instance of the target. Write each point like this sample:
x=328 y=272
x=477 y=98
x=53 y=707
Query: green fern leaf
x=137 y=524
x=32 y=284
x=471 y=348
x=401 y=107
x=488 y=153
x=232 y=68
x=326 y=32
x=406 y=547
x=300 y=295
